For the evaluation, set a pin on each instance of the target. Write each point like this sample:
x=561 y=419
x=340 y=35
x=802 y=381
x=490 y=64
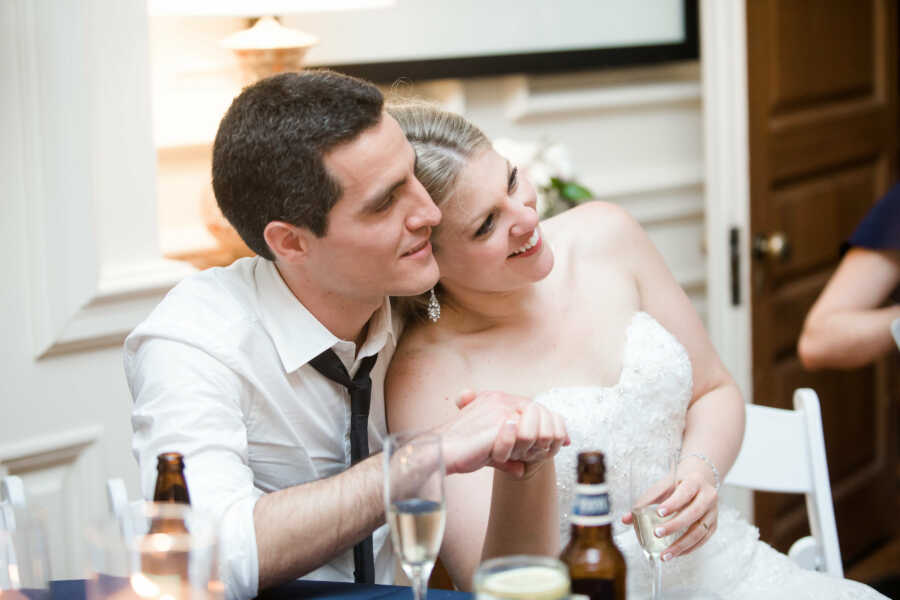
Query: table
x=73 y=589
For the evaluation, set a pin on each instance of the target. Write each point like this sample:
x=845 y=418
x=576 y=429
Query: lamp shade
x=250 y=8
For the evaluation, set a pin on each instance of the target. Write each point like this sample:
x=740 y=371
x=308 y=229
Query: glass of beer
x=414 y=503
x=521 y=577
x=652 y=481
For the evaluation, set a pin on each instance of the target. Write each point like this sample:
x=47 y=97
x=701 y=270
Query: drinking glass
x=522 y=577
x=24 y=563
x=414 y=503
x=153 y=550
x=652 y=481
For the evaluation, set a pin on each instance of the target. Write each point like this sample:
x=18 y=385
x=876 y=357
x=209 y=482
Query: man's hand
x=510 y=433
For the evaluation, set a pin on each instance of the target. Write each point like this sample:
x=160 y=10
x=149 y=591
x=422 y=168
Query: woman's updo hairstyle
x=444 y=142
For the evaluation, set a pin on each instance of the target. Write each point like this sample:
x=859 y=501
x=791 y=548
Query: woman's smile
x=530 y=247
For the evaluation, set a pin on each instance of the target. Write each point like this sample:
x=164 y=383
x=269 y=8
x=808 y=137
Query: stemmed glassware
x=24 y=563
x=652 y=481
x=414 y=503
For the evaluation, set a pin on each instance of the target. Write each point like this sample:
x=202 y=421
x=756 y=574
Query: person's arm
x=847 y=327
x=489 y=512
x=714 y=423
x=198 y=407
x=299 y=529
x=187 y=401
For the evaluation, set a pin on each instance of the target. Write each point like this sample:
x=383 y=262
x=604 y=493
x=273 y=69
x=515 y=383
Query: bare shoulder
x=601 y=226
x=604 y=233
x=422 y=380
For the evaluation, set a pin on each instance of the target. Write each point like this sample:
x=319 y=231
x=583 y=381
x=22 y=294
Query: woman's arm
x=489 y=512
x=714 y=424
x=845 y=328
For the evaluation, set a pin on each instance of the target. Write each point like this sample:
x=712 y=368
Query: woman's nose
x=526 y=218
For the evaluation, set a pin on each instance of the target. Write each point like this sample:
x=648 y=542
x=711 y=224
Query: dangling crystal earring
x=434 y=308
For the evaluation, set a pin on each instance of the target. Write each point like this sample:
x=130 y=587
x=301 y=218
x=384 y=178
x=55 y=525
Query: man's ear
x=289 y=243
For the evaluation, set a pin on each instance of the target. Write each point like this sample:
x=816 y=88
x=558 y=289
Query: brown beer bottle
x=596 y=566
x=170 y=487
x=168 y=570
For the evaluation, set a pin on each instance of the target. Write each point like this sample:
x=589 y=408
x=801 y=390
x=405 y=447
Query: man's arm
x=846 y=328
x=299 y=529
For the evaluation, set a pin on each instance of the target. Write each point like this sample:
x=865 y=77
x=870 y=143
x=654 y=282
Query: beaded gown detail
x=643 y=415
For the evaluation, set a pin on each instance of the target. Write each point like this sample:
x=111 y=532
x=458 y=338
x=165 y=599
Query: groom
x=268 y=374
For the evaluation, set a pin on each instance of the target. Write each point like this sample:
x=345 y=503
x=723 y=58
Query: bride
x=580 y=313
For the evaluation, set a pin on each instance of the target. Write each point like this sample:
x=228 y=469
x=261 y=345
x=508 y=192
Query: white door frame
x=723 y=26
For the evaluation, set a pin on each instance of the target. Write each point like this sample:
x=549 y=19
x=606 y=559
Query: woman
x=583 y=301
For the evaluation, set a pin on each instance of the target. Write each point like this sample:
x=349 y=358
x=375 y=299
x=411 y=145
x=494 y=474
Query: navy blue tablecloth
x=73 y=589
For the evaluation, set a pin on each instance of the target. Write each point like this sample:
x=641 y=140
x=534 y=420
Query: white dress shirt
x=219 y=373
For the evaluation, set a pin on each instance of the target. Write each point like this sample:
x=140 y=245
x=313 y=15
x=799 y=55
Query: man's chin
x=414 y=290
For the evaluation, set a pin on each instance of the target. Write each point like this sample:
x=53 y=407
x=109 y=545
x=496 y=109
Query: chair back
x=784 y=451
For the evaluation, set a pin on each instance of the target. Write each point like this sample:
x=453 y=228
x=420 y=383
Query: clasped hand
x=696 y=502
x=510 y=433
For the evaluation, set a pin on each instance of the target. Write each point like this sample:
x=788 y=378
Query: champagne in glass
x=419 y=527
x=414 y=502
x=646 y=520
x=652 y=481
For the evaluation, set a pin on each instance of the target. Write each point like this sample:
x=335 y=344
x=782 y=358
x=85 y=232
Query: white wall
x=79 y=222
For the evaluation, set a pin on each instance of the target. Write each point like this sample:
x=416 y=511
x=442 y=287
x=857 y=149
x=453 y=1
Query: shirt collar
x=297 y=334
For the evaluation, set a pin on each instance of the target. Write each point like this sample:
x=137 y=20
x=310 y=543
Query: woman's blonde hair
x=444 y=142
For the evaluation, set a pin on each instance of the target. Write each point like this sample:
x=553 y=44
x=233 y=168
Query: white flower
x=557 y=159
x=541 y=163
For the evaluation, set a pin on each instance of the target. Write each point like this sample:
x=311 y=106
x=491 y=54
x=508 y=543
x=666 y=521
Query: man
x=228 y=370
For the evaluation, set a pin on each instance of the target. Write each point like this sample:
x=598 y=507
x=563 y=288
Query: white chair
x=12 y=497
x=117 y=495
x=12 y=490
x=784 y=451
x=895 y=329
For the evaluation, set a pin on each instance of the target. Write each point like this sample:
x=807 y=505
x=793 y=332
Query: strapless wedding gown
x=642 y=416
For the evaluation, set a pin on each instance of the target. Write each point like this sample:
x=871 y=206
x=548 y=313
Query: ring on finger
x=705 y=526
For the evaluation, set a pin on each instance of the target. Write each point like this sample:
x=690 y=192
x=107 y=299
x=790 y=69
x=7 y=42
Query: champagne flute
x=652 y=481
x=414 y=502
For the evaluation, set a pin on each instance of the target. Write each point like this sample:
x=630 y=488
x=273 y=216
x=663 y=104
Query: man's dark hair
x=267 y=158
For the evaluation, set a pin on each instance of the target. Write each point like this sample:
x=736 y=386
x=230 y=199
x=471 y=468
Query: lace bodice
x=642 y=416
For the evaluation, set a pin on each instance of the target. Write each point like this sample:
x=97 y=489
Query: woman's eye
x=486 y=226
x=513 y=180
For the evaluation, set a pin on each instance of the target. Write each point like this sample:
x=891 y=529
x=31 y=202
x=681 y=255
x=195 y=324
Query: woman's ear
x=289 y=243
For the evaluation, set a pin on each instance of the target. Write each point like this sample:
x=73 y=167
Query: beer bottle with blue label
x=596 y=566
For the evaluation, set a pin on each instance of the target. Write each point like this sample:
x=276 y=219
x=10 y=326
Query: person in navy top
x=849 y=326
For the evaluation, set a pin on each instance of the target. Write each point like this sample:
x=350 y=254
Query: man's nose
x=424 y=213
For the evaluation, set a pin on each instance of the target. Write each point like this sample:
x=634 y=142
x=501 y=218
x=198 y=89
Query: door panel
x=795 y=76
x=822 y=82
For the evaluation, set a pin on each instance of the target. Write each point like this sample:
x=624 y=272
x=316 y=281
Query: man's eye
x=385 y=204
x=486 y=226
x=513 y=180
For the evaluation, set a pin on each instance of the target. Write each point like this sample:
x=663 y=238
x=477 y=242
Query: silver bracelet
x=709 y=463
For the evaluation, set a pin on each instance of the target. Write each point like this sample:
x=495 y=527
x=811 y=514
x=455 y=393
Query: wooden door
x=822 y=85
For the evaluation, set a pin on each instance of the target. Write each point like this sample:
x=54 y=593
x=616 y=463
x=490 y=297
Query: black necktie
x=360 y=387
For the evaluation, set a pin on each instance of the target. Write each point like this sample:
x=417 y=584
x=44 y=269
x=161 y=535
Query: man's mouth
x=416 y=249
x=531 y=244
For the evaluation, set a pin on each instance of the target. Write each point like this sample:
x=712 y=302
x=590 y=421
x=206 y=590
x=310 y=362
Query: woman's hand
x=696 y=502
